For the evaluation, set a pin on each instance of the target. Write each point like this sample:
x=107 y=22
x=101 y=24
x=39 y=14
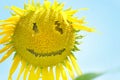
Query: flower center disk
x=45 y=38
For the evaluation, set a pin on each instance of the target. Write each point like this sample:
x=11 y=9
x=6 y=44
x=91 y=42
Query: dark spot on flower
x=58 y=27
x=53 y=53
x=35 y=28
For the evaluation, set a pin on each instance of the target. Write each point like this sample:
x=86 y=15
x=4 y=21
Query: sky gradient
x=100 y=51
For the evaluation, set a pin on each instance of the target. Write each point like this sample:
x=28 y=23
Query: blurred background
x=100 y=51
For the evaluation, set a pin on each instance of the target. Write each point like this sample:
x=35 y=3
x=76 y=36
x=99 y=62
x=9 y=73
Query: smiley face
x=43 y=38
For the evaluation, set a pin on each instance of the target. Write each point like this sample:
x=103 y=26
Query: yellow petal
x=81 y=27
x=63 y=73
x=6 y=32
x=25 y=6
x=32 y=73
x=21 y=69
x=45 y=73
x=7 y=55
x=13 y=18
x=26 y=72
x=7 y=26
x=55 y=4
x=33 y=3
x=5 y=39
x=79 y=21
x=14 y=66
x=65 y=18
x=71 y=12
x=18 y=11
x=38 y=72
x=38 y=4
x=47 y=4
x=60 y=7
x=69 y=68
x=51 y=74
x=57 y=72
x=5 y=48
x=75 y=65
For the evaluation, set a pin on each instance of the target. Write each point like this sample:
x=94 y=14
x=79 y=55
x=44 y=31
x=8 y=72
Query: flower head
x=43 y=37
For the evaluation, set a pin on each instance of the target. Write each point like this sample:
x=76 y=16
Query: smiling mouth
x=59 y=52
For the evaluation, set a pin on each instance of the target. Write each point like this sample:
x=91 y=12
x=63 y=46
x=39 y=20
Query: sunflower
x=42 y=38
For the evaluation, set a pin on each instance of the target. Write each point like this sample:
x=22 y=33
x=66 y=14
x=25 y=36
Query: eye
x=35 y=28
x=58 y=27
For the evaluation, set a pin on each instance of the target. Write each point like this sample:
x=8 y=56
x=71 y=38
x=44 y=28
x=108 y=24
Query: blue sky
x=100 y=51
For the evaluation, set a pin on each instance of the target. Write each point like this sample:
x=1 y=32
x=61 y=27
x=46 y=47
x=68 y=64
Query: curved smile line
x=59 y=52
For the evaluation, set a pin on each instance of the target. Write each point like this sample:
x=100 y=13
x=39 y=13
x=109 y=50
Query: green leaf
x=88 y=76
